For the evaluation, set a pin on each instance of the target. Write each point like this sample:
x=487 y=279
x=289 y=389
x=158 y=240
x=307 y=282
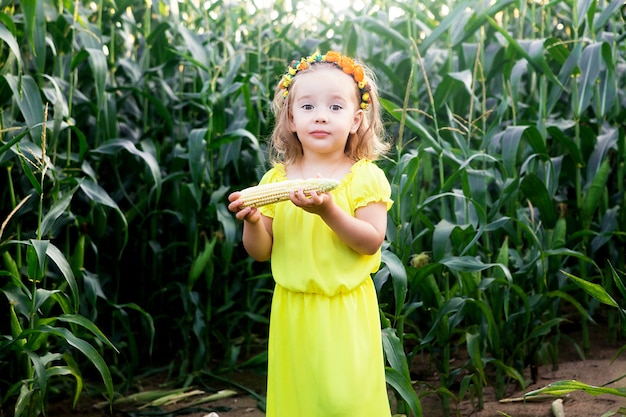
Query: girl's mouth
x=319 y=133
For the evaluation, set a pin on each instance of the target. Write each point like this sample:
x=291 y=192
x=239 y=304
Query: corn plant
x=494 y=226
x=46 y=329
x=600 y=294
x=507 y=167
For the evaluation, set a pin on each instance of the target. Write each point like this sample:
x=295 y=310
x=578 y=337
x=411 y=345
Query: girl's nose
x=321 y=117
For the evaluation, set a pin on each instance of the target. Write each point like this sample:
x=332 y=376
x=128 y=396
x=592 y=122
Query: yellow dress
x=325 y=355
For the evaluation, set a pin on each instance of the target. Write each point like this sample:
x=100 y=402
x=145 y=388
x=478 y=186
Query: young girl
x=325 y=350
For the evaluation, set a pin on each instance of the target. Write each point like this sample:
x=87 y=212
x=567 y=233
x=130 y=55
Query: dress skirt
x=325 y=355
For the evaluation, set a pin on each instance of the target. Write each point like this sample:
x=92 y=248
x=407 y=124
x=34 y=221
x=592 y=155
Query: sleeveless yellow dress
x=325 y=356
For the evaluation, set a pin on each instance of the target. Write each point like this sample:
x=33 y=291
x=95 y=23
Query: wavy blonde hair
x=367 y=143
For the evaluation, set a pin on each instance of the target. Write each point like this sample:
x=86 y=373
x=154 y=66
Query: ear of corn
x=274 y=192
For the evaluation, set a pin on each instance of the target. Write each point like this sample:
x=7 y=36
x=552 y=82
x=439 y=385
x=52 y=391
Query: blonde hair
x=367 y=143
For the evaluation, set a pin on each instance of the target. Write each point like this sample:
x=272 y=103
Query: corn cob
x=274 y=192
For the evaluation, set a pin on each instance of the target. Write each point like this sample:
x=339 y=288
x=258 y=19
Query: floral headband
x=341 y=61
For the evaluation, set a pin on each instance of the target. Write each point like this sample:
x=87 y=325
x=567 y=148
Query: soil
x=598 y=368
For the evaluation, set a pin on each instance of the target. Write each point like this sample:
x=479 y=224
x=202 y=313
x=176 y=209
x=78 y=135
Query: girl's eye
x=307 y=107
x=336 y=107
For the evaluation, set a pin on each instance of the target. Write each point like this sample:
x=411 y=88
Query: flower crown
x=346 y=64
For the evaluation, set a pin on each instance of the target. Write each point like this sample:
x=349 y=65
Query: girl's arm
x=257 y=229
x=364 y=233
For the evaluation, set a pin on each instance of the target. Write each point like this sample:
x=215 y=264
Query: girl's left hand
x=314 y=203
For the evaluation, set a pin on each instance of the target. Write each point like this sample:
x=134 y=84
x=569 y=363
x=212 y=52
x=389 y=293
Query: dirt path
x=597 y=369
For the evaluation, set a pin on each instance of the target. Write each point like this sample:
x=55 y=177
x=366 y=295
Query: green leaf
x=27 y=95
x=596 y=291
x=24 y=401
x=100 y=196
x=56 y=211
x=146 y=316
x=544 y=328
x=453 y=84
x=201 y=261
x=568 y=143
x=394 y=352
x=383 y=30
x=89 y=325
x=99 y=69
x=568 y=386
x=113 y=146
x=84 y=347
x=475 y=354
x=621 y=286
x=608 y=12
x=35 y=23
x=450 y=306
x=66 y=270
x=11 y=41
x=405 y=389
x=593 y=194
x=197 y=156
x=590 y=71
x=413 y=124
x=535 y=190
x=583 y=6
x=37 y=263
x=66 y=370
x=511 y=139
x=534 y=55
x=398 y=278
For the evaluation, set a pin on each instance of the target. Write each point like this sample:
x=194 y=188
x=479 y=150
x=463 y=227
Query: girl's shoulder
x=364 y=168
x=369 y=183
x=274 y=174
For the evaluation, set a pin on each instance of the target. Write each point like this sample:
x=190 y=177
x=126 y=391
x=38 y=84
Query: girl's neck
x=312 y=167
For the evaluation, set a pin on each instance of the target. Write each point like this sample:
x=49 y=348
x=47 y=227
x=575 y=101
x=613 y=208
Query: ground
x=597 y=368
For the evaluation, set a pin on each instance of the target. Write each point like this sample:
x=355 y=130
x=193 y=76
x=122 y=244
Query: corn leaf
x=593 y=194
x=405 y=389
x=596 y=291
x=28 y=99
x=535 y=190
x=11 y=41
x=569 y=386
x=83 y=346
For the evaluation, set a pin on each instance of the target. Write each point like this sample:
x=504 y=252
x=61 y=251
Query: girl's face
x=325 y=109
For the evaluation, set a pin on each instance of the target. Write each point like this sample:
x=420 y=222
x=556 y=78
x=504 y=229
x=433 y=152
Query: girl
x=325 y=353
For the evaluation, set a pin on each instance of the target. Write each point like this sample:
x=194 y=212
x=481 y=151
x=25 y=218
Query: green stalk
x=431 y=101
x=577 y=140
x=145 y=61
x=18 y=226
x=43 y=168
x=72 y=86
x=405 y=105
x=445 y=346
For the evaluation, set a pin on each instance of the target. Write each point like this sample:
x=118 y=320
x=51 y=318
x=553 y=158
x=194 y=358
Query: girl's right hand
x=249 y=214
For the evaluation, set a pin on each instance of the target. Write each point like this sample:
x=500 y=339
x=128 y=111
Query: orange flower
x=358 y=74
x=333 y=56
x=346 y=64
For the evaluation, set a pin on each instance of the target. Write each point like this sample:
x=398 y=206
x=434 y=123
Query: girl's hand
x=314 y=203
x=249 y=214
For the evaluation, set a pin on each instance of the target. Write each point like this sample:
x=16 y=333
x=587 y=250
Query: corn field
x=124 y=125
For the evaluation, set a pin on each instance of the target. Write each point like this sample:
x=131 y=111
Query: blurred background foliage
x=125 y=124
